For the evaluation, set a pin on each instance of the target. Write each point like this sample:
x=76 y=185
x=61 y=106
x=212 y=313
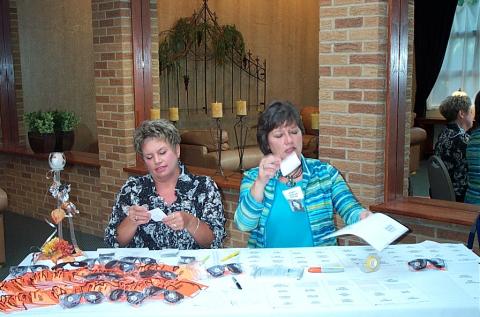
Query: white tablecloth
x=393 y=290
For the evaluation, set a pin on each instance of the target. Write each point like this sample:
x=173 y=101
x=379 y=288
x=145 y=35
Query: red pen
x=319 y=269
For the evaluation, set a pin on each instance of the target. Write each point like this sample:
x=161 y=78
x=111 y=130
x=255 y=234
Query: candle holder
x=154 y=113
x=219 y=147
x=241 y=130
x=314 y=121
x=173 y=115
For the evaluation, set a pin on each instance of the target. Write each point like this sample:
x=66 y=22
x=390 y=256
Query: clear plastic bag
x=277 y=271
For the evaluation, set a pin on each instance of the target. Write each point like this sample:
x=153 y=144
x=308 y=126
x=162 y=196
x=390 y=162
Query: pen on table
x=231 y=255
x=236 y=283
x=205 y=259
x=319 y=269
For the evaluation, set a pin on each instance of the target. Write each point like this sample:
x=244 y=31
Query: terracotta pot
x=41 y=143
x=64 y=141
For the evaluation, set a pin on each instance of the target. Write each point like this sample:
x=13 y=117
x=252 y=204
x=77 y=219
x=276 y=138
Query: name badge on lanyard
x=294 y=197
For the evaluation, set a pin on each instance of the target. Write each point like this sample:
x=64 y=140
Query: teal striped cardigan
x=325 y=192
x=473 y=160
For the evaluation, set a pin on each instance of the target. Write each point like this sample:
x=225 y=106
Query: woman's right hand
x=139 y=215
x=268 y=167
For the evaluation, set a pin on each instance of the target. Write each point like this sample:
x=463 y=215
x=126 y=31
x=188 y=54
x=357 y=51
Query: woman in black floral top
x=192 y=203
x=452 y=142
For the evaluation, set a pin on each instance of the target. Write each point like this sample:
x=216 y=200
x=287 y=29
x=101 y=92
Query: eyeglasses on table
x=137 y=297
x=139 y=260
x=122 y=265
x=219 y=270
x=420 y=264
x=102 y=259
x=72 y=300
x=162 y=273
x=20 y=270
x=72 y=264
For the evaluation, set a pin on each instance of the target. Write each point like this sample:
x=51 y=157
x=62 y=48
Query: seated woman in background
x=294 y=210
x=473 y=160
x=192 y=203
x=452 y=142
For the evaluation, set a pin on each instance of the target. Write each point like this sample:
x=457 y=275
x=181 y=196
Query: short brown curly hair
x=451 y=106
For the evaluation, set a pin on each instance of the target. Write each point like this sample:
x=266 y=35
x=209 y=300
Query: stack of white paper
x=378 y=230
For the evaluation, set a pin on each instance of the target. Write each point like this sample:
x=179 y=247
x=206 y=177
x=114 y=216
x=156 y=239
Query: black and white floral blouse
x=451 y=147
x=197 y=195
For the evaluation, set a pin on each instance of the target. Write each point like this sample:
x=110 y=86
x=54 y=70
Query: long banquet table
x=393 y=290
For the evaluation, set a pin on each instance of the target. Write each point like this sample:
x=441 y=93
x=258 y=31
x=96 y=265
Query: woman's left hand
x=365 y=214
x=178 y=220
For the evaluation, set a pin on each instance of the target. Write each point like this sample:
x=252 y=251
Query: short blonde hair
x=161 y=129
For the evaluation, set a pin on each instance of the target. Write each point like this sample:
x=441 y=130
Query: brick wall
x=352 y=88
x=112 y=45
x=155 y=62
x=235 y=238
x=27 y=182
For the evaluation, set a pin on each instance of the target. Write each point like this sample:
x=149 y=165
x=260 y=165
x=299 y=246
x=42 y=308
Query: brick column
x=352 y=90
x=112 y=45
x=155 y=62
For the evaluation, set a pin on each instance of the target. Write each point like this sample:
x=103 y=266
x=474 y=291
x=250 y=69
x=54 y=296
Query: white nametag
x=294 y=197
x=157 y=214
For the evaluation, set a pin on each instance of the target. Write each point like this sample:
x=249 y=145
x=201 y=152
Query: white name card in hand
x=378 y=230
x=289 y=164
x=157 y=214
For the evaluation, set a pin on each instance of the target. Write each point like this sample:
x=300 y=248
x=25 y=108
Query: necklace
x=293 y=175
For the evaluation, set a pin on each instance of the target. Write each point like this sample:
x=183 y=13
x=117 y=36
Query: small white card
x=289 y=164
x=157 y=214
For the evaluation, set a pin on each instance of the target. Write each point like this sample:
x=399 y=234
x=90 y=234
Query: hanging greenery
x=178 y=42
x=228 y=39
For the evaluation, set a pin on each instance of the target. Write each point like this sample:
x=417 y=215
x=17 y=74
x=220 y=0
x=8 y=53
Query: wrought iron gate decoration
x=202 y=62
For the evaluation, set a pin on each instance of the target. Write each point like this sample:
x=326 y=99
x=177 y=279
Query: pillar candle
x=173 y=114
x=217 y=110
x=154 y=113
x=314 y=118
x=241 y=107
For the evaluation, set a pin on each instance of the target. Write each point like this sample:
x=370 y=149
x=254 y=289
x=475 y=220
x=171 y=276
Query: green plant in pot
x=41 y=136
x=64 y=124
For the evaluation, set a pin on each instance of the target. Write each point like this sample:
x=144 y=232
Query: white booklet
x=378 y=230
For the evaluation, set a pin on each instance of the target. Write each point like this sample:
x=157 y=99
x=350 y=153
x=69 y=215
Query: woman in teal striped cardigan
x=294 y=210
x=473 y=160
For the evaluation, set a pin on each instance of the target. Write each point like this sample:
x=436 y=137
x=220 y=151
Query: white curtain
x=461 y=65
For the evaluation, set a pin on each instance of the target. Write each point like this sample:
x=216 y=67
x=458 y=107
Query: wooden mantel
x=73 y=157
x=229 y=179
x=431 y=209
